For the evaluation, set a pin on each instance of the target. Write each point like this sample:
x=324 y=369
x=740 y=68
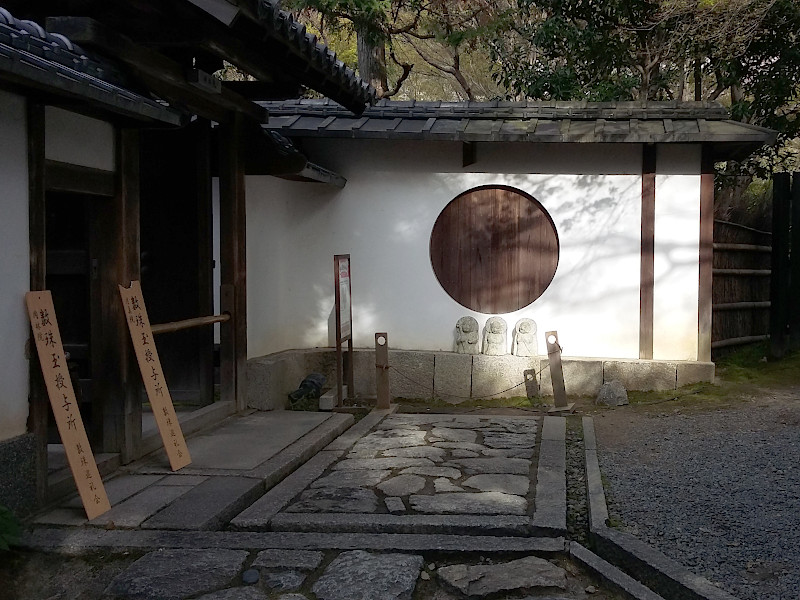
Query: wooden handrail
x=741 y=247
x=743 y=272
x=739 y=341
x=741 y=305
x=189 y=323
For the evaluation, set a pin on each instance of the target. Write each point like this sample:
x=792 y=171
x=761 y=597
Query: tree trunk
x=372 y=62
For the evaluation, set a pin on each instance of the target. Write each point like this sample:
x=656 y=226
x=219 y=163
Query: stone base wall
x=458 y=377
x=18 y=474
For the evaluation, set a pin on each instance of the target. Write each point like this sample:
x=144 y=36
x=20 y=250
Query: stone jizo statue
x=494 y=337
x=467 y=336
x=524 y=341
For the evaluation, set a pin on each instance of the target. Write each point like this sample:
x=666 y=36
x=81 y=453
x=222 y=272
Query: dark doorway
x=69 y=242
x=176 y=244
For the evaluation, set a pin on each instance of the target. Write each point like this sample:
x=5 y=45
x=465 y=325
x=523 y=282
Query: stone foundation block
x=364 y=373
x=18 y=474
x=453 y=376
x=581 y=377
x=410 y=373
x=492 y=376
x=642 y=375
x=695 y=372
x=267 y=385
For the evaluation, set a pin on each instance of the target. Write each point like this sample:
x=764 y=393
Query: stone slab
x=303 y=560
x=357 y=574
x=257 y=516
x=526 y=574
x=137 y=509
x=120 y=488
x=582 y=377
x=476 y=466
x=355 y=478
x=81 y=541
x=382 y=463
x=642 y=375
x=492 y=376
x=554 y=429
x=209 y=505
x=463 y=524
x=449 y=472
x=352 y=435
x=410 y=374
x=476 y=503
x=611 y=574
x=402 y=485
x=394 y=504
x=508 y=484
x=429 y=452
x=238 y=593
x=695 y=372
x=550 y=513
x=176 y=574
x=335 y=500
x=452 y=380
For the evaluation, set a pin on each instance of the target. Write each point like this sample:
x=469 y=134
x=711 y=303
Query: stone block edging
x=647 y=564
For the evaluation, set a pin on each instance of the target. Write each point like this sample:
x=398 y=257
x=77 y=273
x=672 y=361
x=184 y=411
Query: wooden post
x=556 y=373
x=382 y=369
x=647 y=267
x=706 y=258
x=779 y=281
x=116 y=404
x=794 y=290
x=233 y=261
x=201 y=132
x=39 y=404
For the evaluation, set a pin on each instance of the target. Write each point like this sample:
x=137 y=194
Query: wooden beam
x=165 y=76
x=706 y=256
x=65 y=177
x=264 y=90
x=39 y=412
x=647 y=268
x=233 y=263
x=116 y=402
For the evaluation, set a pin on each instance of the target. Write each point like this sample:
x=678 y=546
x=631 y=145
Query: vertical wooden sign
x=81 y=461
x=153 y=376
x=344 y=325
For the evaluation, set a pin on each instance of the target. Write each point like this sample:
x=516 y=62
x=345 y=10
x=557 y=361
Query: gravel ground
x=719 y=492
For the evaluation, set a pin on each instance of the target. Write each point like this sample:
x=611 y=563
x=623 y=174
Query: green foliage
x=10 y=529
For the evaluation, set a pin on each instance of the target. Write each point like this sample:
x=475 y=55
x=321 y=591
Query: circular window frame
x=477 y=301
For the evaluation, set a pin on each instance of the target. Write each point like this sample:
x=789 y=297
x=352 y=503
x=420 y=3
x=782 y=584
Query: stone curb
x=408 y=524
x=76 y=542
x=257 y=516
x=611 y=574
x=550 y=514
x=645 y=563
x=345 y=441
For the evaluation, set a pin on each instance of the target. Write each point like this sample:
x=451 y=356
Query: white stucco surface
x=78 y=140
x=384 y=216
x=14 y=266
x=677 y=252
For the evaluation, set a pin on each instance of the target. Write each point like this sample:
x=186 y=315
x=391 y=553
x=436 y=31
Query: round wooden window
x=494 y=249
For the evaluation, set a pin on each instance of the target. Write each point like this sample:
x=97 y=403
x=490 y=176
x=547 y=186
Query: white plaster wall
x=78 y=140
x=384 y=217
x=14 y=266
x=677 y=252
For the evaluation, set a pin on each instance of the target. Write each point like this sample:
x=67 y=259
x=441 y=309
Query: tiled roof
x=499 y=121
x=49 y=61
x=325 y=73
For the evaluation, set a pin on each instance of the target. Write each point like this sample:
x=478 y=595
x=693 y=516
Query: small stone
x=524 y=574
x=442 y=485
x=478 y=503
x=250 y=577
x=356 y=575
x=324 y=499
x=284 y=581
x=424 y=575
x=394 y=504
x=612 y=393
x=444 y=434
x=449 y=472
x=509 y=484
x=591 y=590
x=431 y=566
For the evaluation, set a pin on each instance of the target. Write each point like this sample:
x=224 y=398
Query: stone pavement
x=298 y=506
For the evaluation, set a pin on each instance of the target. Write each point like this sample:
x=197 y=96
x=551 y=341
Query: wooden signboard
x=153 y=376
x=81 y=461
x=344 y=324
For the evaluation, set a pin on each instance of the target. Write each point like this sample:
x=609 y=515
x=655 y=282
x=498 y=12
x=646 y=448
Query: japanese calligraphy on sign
x=153 y=376
x=47 y=338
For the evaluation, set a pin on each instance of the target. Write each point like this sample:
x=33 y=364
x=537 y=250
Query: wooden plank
x=65 y=177
x=794 y=275
x=706 y=257
x=66 y=411
x=233 y=260
x=741 y=247
x=647 y=267
x=39 y=406
x=153 y=376
x=779 y=282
